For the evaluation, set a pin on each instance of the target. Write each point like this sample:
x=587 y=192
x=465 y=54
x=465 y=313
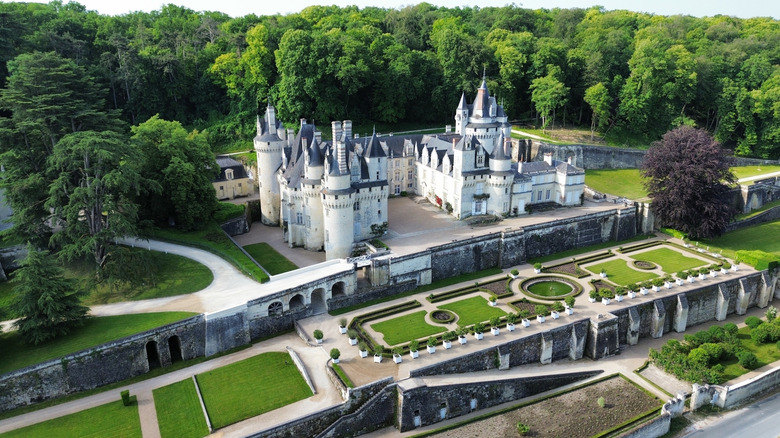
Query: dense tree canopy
x=211 y=72
x=687 y=179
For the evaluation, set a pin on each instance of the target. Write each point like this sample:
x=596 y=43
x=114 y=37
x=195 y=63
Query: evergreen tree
x=47 y=302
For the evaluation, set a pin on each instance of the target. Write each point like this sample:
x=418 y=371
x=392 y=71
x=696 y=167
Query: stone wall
x=590 y=157
x=769 y=215
x=654 y=428
x=236 y=226
x=104 y=364
x=430 y=403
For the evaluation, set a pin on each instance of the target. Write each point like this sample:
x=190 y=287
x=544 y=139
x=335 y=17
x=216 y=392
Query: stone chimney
x=336 y=128
x=548 y=158
x=347 y=128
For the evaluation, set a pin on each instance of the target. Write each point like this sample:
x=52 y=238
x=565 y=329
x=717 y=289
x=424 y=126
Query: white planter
x=632 y=294
x=656 y=288
x=643 y=291
x=447 y=345
x=364 y=353
x=335 y=361
x=569 y=311
x=713 y=274
x=352 y=341
x=377 y=358
x=493 y=303
x=397 y=358
x=592 y=300
x=526 y=323
x=431 y=349
x=618 y=298
x=342 y=330
x=605 y=301
x=603 y=274
x=702 y=277
x=540 y=319
x=510 y=327
x=724 y=271
x=668 y=284
x=691 y=279
x=462 y=340
x=495 y=331
x=734 y=267
x=555 y=315
x=537 y=271
x=414 y=354
x=478 y=336
x=514 y=277
x=680 y=282
x=319 y=341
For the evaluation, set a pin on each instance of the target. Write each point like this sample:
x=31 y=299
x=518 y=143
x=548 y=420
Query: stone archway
x=275 y=308
x=338 y=290
x=174 y=348
x=296 y=303
x=318 y=304
x=152 y=355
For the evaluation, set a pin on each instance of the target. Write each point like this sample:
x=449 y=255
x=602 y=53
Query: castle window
x=411 y=161
x=547 y=196
x=299 y=218
x=506 y=190
x=409 y=174
x=356 y=207
x=308 y=221
x=378 y=200
x=379 y=214
x=398 y=189
x=539 y=196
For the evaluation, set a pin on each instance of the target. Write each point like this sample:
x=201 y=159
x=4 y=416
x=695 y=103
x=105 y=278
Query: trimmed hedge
x=637 y=247
x=580 y=272
x=358 y=321
x=758 y=259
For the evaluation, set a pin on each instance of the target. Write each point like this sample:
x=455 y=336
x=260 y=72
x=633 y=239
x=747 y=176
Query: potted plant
x=668 y=281
x=593 y=295
x=514 y=273
x=657 y=283
x=478 y=329
x=494 y=322
x=462 y=335
x=714 y=270
x=645 y=286
x=431 y=345
x=447 y=340
x=335 y=354
x=703 y=273
x=363 y=349
x=692 y=276
x=537 y=268
x=619 y=292
x=343 y=325
x=541 y=311
x=524 y=314
x=414 y=347
x=492 y=301
x=632 y=289
x=606 y=296
x=603 y=273
x=734 y=266
x=378 y=350
x=397 y=352
x=681 y=277
x=353 y=336
x=511 y=318
x=569 y=304
x=318 y=335
x=557 y=308
x=724 y=268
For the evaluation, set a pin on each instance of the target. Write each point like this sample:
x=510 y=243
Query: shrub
x=606 y=293
x=540 y=309
x=524 y=313
x=594 y=294
x=758 y=259
x=335 y=353
x=569 y=301
x=343 y=322
x=771 y=313
x=730 y=328
x=492 y=298
x=414 y=345
x=495 y=321
x=125 y=397
x=726 y=265
x=601 y=402
x=647 y=284
x=753 y=322
x=658 y=282
x=522 y=428
x=620 y=291
x=511 y=318
x=537 y=266
x=698 y=356
x=318 y=334
x=515 y=272
x=362 y=346
x=682 y=275
x=398 y=351
x=379 y=349
x=352 y=333
x=448 y=336
x=557 y=306
x=431 y=341
x=765 y=333
x=479 y=327
x=747 y=359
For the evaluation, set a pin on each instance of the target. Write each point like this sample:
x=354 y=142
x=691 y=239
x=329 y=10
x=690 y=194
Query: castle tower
x=376 y=159
x=338 y=199
x=268 y=147
x=312 y=190
x=500 y=179
x=461 y=116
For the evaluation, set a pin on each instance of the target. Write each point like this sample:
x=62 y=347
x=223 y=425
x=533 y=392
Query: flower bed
x=643 y=264
x=442 y=316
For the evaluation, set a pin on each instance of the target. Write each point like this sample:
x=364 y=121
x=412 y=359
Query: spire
x=462 y=104
x=499 y=152
x=373 y=148
x=482 y=101
x=315 y=154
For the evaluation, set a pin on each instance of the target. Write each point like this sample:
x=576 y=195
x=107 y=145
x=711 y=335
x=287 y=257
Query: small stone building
x=233 y=180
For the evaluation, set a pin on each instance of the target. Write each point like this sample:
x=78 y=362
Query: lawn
x=405 y=328
x=111 y=419
x=95 y=331
x=270 y=259
x=748 y=171
x=251 y=387
x=178 y=411
x=755 y=237
x=669 y=260
x=765 y=353
x=473 y=310
x=550 y=289
x=626 y=183
x=620 y=273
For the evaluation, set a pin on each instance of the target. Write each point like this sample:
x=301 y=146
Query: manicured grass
x=95 y=331
x=214 y=240
x=344 y=377
x=405 y=328
x=178 y=411
x=111 y=419
x=620 y=273
x=585 y=249
x=269 y=258
x=765 y=353
x=748 y=171
x=669 y=260
x=626 y=183
x=755 y=237
x=251 y=387
x=755 y=212
x=550 y=289
x=473 y=310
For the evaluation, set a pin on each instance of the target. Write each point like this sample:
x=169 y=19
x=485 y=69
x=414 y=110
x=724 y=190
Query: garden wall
x=104 y=364
x=432 y=404
x=589 y=156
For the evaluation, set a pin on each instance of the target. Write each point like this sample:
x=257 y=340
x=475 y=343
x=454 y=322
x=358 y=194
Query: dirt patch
x=498 y=287
x=574 y=414
x=568 y=269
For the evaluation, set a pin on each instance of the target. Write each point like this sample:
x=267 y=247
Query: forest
x=632 y=76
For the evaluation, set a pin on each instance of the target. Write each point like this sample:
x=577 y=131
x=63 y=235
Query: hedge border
x=578 y=262
x=576 y=288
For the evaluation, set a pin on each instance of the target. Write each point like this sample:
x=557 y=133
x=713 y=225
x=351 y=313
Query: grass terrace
x=95 y=331
x=270 y=259
x=111 y=419
x=251 y=387
x=619 y=272
x=669 y=260
x=473 y=310
x=755 y=237
x=179 y=414
x=626 y=183
x=748 y=171
x=405 y=328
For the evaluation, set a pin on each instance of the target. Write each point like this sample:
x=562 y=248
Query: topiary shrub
x=753 y=322
x=125 y=397
x=335 y=353
x=771 y=313
x=730 y=328
x=601 y=402
x=747 y=359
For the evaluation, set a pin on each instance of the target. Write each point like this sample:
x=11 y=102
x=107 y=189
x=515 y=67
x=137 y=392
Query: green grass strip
x=669 y=260
x=626 y=183
x=251 y=387
x=95 y=331
x=270 y=259
x=405 y=328
x=755 y=238
x=111 y=419
x=179 y=414
x=473 y=310
x=585 y=249
x=343 y=376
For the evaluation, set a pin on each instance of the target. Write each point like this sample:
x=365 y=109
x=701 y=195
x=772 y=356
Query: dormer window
x=480 y=159
x=229 y=174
